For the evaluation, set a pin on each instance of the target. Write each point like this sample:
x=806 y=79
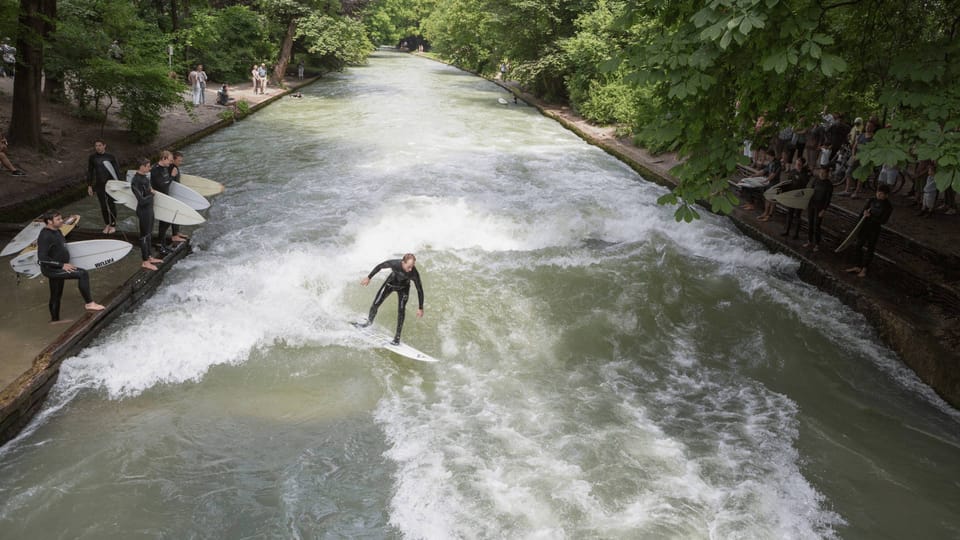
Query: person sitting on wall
x=6 y=161
x=754 y=186
x=223 y=96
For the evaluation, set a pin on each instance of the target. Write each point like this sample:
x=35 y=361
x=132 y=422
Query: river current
x=605 y=371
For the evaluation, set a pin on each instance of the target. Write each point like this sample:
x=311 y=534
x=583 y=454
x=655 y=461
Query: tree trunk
x=25 y=119
x=53 y=89
x=174 y=18
x=286 y=52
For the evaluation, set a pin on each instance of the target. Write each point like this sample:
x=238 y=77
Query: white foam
x=218 y=315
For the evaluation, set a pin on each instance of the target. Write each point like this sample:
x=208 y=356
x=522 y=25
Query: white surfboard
x=752 y=182
x=182 y=193
x=850 y=237
x=383 y=340
x=24 y=238
x=185 y=194
x=28 y=236
x=165 y=207
x=797 y=199
x=203 y=186
x=109 y=167
x=770 y=193
x=87 y=254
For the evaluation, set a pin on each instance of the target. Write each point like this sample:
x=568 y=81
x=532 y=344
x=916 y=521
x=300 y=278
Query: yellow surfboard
x=201 y=185
x=68 y=225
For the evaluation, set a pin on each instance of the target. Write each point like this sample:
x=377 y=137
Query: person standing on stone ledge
x=101 y=168
x=54 y=260
x=875 y=213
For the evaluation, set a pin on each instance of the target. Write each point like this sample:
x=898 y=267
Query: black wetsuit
x=174 y=228
x=398 y=281
x=798 y=180
x=160 y=180
x=52 y=254
x=880 y=211
x=822 y=193
x=140 y=185
x=97 y=177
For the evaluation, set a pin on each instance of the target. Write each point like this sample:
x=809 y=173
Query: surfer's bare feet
x=93 y=306
x=154 y=260
x=109 y=229
x=854 y=269
x=862 y=273
x=148 y=265
x=179 y=238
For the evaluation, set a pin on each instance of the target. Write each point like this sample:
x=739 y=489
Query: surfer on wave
x=403 y=271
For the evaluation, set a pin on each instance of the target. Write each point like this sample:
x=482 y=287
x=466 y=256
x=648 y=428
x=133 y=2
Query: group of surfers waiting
x=52 y=254
x=148 y=179
x=797 y=175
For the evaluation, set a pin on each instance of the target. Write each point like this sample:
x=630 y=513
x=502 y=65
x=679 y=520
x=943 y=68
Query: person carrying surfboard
x=140 y=186
x=54 y=260
x=874 y=214
x=817 y=207
x=160 y=181
x=174 y=171
x=403 y=271
x=102 y=167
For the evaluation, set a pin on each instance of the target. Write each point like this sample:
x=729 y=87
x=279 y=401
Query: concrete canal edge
x=915 y=345
x=22 y=399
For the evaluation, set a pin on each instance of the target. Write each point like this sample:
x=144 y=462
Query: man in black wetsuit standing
x=160 y=181
x=140 y=186
x=174 y=170
x=102 y=167
x=54 y=260
x=403 y=271
x=875 y=213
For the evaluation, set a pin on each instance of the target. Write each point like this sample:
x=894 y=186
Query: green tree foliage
x=336 y=42
x=604 y=96
x=459 y=31
x=786 y=61
x=227 y=42
x=389 y=21
x=137 y=82
x=479 y=34
x=9 y=10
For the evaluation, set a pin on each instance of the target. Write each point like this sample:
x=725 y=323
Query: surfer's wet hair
x=142 y=161
x=48 y=216
x=409 y=256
